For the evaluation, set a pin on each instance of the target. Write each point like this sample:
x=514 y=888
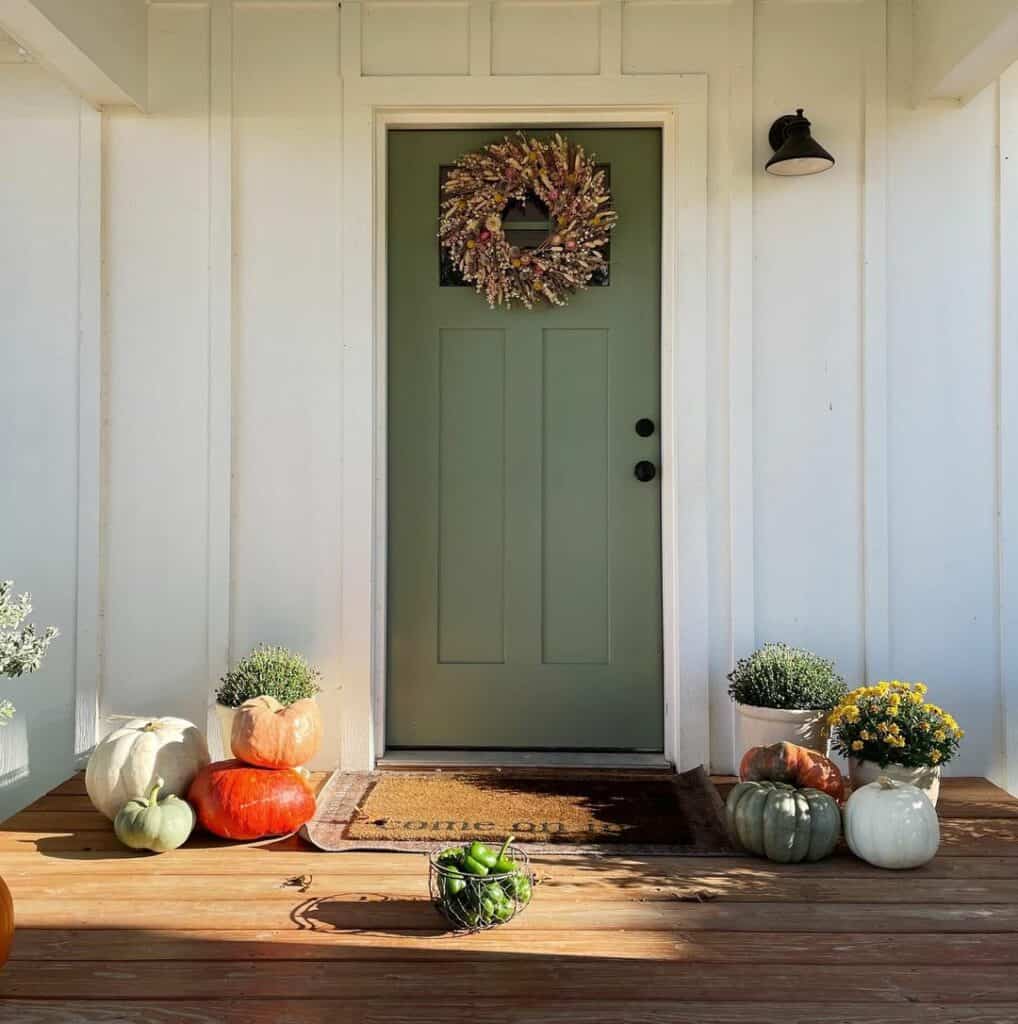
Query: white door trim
x=372 y=106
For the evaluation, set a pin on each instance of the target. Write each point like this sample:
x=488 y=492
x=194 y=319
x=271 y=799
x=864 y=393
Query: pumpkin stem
x=886 y=782
x=153 y=796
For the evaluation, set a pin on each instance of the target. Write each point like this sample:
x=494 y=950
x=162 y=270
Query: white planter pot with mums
x=784 y=694
x=265 y=672
x=890 y=731
x=924 y=777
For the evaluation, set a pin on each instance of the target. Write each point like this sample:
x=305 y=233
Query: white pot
x=225 y=717
x=760 y=727
x=926 y=778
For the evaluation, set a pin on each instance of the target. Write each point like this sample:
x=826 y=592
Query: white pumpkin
x=127 y=762
x=891 y=825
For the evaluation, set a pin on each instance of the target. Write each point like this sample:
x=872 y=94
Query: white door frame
x=372 y=106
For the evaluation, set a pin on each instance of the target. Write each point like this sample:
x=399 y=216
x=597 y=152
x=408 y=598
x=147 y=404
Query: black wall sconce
x=796 y=152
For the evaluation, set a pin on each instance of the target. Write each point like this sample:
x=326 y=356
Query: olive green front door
x=524 y=554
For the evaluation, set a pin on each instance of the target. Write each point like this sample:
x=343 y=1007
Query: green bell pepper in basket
x=480 y=887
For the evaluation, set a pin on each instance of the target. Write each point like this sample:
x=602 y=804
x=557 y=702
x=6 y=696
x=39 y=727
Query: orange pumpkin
x=269 y=735
x=238 y=801
x=6 y=922
x=797 y=766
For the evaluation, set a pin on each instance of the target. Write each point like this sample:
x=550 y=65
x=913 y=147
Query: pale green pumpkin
x=782 y=823
x=148 y=823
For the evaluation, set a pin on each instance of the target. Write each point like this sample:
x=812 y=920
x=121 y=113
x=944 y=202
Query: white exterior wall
x=49 y=414
x=859 y=441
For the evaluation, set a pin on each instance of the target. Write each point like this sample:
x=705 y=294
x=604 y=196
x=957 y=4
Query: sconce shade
x=796 y=152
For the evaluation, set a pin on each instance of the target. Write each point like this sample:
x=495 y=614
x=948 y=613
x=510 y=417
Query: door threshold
x=520 y=758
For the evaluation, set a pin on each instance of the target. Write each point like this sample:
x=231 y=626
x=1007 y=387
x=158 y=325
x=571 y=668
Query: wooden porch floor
x=280 y=933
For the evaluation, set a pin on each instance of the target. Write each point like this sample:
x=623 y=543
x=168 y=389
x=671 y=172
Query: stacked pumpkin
x=260 y=792
x=786 y=808
x=152 y=777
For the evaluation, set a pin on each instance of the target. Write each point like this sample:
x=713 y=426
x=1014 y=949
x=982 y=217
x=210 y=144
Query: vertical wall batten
x=362 y=181
x=90 y=429
x=741 y=567
x=1007 y=422
x=875 y=526
x=350 y=40
x=480 y=37
x=220 y=300
x=610 y=57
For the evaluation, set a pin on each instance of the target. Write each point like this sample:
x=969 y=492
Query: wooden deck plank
x=219 y=912
x=556 y=883
x=604 y=979
x=429 y=1009
x=239 y=860
x=977 y=837
x=722 y=947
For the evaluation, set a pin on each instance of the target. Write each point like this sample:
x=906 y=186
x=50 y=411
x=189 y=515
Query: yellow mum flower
x=920 y=688
x=857 y=744
x=915 y=698
x=852 y=713
x=865 y=735
x=934 y=756
x=895 y=729
x=940 y=735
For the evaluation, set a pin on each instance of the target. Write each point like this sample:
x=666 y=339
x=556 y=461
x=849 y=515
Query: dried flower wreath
x=566 y=181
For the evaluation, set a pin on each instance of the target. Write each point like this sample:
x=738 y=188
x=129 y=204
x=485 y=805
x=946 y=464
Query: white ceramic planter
x=760 y=727
x=225 y=717
x=926 y=778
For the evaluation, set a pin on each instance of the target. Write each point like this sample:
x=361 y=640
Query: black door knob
x=645 y=427
x=644 y=471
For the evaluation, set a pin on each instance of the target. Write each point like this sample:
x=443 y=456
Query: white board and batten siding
x=858 y=384
x=50 y=211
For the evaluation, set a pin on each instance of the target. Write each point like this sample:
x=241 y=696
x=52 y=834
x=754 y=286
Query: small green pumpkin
x=148 y=823
x=782 y=823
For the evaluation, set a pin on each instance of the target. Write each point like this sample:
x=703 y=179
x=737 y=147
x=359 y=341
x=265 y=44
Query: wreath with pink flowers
x=561 y=177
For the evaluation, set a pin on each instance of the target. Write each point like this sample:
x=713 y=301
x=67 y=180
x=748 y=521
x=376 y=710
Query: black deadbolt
x=644 y=471
x=645 y=427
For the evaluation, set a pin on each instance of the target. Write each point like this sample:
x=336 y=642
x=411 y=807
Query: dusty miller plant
x=779 y=676
x=21 y=648
x=269 y=671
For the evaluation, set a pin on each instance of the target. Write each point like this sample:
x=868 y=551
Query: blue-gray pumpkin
x=148 y=823
x=782 y=823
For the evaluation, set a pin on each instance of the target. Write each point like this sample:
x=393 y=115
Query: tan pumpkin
x=797 y=766
x=269 y=735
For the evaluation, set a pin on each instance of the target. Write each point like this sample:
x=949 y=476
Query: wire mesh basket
x=473 y=903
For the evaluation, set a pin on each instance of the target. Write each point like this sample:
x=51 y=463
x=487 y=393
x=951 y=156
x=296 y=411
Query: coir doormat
x=548 y=810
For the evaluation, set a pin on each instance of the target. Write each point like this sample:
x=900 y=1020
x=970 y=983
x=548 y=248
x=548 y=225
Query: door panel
x=471 y=497
x=524 y=557
x=576 y=497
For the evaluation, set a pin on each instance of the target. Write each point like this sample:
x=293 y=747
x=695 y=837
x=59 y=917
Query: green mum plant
x=272 y=672
x=779 y=676
x=21 y=648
